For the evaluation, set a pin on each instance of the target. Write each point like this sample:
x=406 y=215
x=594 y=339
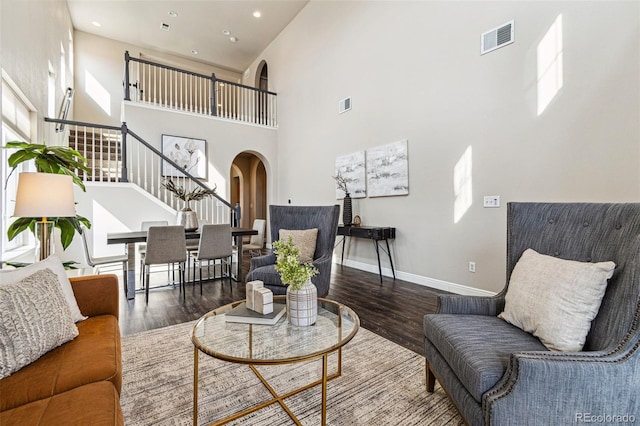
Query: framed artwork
x=190 y=154
x=388 y=170
x=352 y=168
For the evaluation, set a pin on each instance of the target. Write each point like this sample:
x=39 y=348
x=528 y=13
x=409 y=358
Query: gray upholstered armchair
x=497 y=374
x=325 y=218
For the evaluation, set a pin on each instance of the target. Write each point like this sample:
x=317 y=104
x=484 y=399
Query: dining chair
x=95 y=262
x=165 y=245
x=215 y=243
x=142 y=247
x=256 y=243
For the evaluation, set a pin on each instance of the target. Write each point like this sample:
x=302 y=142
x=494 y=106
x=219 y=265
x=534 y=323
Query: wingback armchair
x=325 y=219
x=497 y=374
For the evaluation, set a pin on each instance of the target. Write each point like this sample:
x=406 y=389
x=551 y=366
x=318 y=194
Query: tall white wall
x=414 y=71
x=100 y=73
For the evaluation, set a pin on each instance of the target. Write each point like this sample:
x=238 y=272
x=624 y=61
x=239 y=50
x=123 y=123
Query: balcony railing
x=168 y=87
x=113 y=156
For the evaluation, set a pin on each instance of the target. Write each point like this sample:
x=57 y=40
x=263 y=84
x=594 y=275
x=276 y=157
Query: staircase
x=101 y=148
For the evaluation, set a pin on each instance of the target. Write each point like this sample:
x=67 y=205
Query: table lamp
x=44 y=195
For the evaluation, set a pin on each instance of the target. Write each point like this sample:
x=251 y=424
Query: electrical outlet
x=472 y=266
x=491 y=201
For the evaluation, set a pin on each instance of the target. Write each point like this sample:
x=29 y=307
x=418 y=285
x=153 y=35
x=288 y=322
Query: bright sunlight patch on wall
x=462 y=185
x=550 y=65
x=97 y=92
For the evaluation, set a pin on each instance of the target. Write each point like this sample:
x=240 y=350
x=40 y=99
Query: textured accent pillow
x=304 y=240
x=34 y=318
x=555 y=299
x=53 y=262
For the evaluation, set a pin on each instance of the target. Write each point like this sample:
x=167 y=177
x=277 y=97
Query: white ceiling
x=199 y=25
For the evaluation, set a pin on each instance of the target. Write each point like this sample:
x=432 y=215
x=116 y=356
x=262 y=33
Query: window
x=16 y=125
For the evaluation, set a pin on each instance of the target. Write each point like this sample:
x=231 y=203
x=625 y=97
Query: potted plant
x=49 y=159
x=302 y=295
x=186 y=216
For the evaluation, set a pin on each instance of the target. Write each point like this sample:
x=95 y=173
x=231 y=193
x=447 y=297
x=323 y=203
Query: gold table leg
x=195 y=386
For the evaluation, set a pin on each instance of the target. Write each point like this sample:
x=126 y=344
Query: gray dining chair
x=142 y=247
x=165 y=245
x=256 y=244
x=96 y=262
x=215 y=244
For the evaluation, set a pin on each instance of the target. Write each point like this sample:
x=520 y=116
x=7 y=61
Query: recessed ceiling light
x=226 y=32
x=96 y=24
x=173 y=14
x=232 y=39
x=257 y=14
x=194 y=51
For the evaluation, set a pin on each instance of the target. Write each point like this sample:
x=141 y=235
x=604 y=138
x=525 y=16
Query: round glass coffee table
x=281 y=343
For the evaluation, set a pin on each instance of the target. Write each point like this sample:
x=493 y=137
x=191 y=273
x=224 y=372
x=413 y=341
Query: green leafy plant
x=288 y=265
x=49 y=159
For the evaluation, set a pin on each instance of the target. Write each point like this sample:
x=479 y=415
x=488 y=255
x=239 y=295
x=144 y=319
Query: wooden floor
x=393 y=309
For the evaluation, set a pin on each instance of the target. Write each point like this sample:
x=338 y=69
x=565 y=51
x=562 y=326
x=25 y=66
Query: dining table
x=130 y=238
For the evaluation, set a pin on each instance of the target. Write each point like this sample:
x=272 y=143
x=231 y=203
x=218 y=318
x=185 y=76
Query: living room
x=476 y=125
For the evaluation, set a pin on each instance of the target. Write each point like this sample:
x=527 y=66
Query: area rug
x=382 y=383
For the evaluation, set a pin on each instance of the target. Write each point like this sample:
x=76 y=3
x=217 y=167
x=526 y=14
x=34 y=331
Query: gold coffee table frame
x=282 y=343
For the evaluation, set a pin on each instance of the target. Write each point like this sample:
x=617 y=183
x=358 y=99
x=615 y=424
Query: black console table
x=375 y=234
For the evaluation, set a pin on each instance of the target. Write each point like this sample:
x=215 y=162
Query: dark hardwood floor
x=393 y=309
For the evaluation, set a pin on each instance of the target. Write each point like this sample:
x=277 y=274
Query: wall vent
x=165 y=26
x=344 y=105
x=496 y=38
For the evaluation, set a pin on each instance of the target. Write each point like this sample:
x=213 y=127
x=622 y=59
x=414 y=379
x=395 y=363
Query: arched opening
x=262 y=83
x=248 y=177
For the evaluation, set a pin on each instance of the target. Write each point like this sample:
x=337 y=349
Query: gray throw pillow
x=555 y=299
x=34 y=318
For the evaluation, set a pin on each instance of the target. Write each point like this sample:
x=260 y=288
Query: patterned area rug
x=382 y=383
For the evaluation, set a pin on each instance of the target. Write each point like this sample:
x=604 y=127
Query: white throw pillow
x=304 y=240
x=34 y=319
x=555 y=299
x=53 y=262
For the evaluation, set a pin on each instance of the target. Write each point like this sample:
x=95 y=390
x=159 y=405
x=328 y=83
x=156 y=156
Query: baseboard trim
x=418 y=279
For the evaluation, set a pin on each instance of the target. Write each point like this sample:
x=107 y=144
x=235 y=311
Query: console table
x=375 y=234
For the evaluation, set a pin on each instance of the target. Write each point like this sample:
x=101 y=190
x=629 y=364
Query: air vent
x=496 y=38
x=344 y=105
x=165 y=26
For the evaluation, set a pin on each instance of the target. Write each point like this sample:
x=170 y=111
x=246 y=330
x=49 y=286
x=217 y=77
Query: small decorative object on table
x=302 y=295
x=259 y=299
x=186 y=216
x=357 y=221
x=347 y=209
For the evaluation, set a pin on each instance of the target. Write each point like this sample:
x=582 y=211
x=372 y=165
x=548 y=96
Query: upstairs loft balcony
x=160 y=85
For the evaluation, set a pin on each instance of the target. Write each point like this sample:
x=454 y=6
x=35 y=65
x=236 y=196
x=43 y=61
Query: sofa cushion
x=477 y=347
x=302 y=239
x=93 y=404
x=53 y=262
x=34 y=319
x=555 y=299
x=94 y=355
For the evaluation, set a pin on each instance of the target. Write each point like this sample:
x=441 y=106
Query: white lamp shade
x=44 y=195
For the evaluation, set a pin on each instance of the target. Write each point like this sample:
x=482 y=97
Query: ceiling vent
x=496 y=38
x=165 y=26
x=344 y=105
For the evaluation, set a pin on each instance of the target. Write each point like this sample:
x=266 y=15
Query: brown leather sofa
x=79 y=382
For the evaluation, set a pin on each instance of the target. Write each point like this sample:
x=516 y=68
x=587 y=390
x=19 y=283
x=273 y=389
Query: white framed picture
x=388 y=170
x=352 y=168
x=188 y=153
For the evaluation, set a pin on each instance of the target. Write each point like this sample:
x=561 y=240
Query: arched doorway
x=248 y=177
x=262 y=83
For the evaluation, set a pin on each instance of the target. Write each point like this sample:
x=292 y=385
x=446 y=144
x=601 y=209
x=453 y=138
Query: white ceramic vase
x=188 y=219
x=302 y=305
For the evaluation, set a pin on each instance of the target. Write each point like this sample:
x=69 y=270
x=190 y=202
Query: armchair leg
x=430 y=378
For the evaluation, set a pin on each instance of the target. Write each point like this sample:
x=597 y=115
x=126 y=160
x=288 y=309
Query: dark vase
x=347 y=211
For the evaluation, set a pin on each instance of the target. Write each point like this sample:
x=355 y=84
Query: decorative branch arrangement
x=341 y=182
x=195 y=195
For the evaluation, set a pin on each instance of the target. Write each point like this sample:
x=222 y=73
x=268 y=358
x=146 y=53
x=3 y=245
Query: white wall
x=414 y=71
x=101 y=60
